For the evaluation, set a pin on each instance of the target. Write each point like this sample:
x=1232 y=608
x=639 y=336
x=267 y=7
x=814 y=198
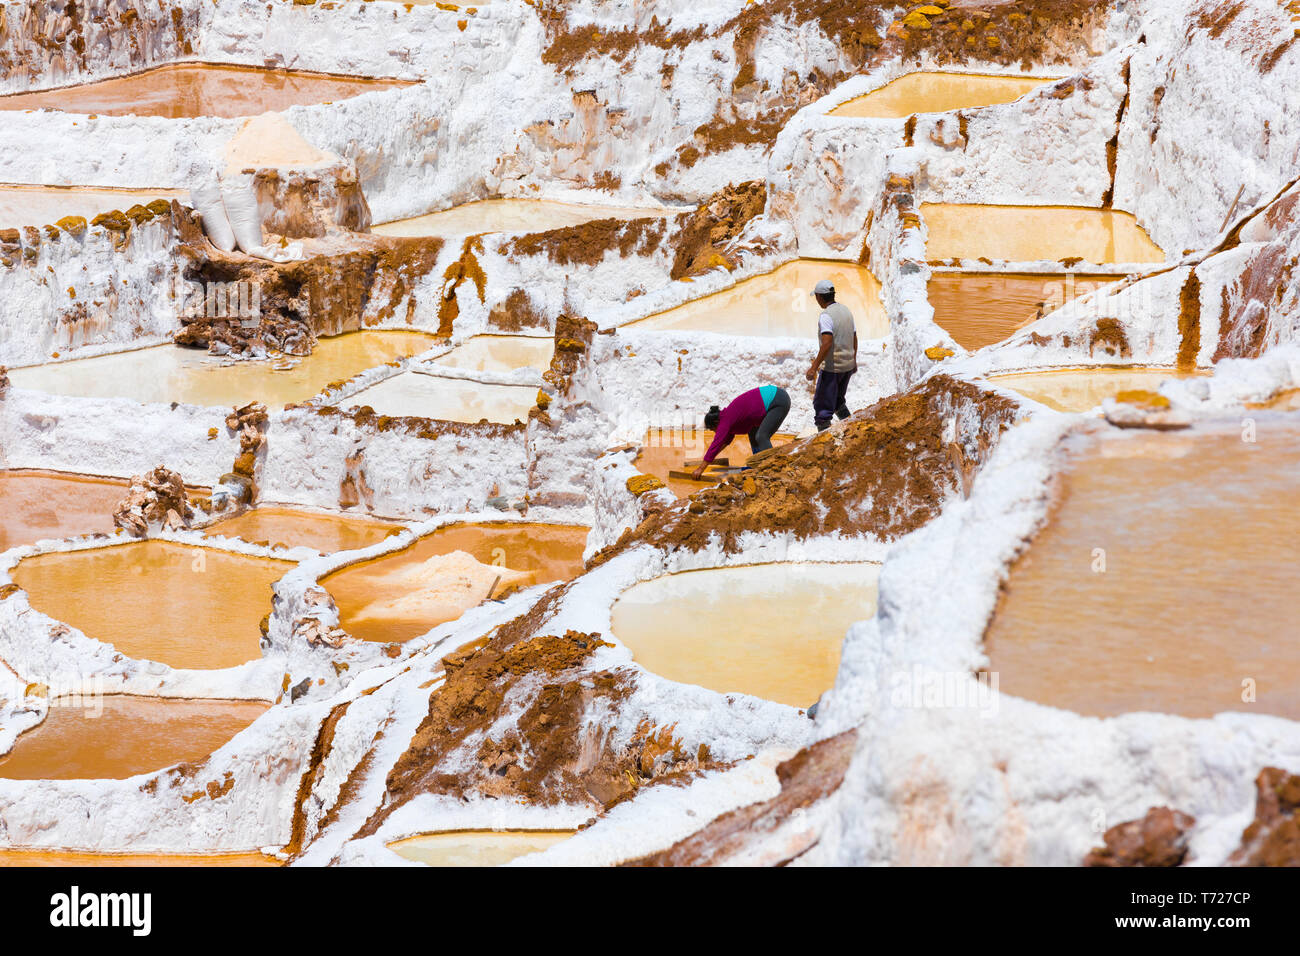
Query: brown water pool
x=982 y=308
x=286 y=527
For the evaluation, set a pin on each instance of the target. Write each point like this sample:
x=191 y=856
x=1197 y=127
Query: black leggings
x=760 y=439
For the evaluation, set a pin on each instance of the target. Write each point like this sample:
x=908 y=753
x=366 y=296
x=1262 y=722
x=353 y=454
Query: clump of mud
x=1273 y=837
x=157 y=498
x=704 y=233
x=587 y=243
x=884 y=472
x=1158 y=839
x=808 y=777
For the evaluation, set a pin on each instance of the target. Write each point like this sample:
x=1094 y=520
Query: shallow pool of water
x=500 y=353
x=937 y=92
x=290 y=528
x=983 y=308
x=1165 y=579
x=780 y=303
x=167 y=373
x=78 y=859
x=119 y=736
x=39 y=205
x=404 y=595
x=665 y=450
x=40 y=504
x=1083 y=389
x=1036 y=233
x=770 y=630
x=476 y=847
x=181 y=90
x=510 y=215
x=414 y=394
x=177 y=604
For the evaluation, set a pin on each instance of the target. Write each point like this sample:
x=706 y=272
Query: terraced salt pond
x=476 y=847
x=1036 y=233
x=665 y=450
x=76 y=858
x=117 y=737
x=167 y=373
x=983 y=308
x=510 y=215
x=419 y=395
x=500 y=353
x=1083 y=389
x=780 y=303
x=188 y=90
x=771 y=630
x=1193 y=603
x=400 y=596
x=35 y=505
x=291 y=528
x=938 y=92
x=185 y=606
x=38 y=205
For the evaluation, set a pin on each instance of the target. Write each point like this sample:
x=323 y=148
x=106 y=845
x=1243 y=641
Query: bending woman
x=758 y=412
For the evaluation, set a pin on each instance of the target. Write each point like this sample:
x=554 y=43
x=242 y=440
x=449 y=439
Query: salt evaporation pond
x=189 y=90
x=22 y=205
x=290 y=528
x=510 y=215
x=780 y=303
x=400 y=596
x=185 y=606
x=116 y=737
x=1165 y=578
x=983 y=308
x=938 y=92
x=166 y=373
x=1036 y=233
x=419 y=395
x=1083 y=389
x=771 y=630
x=500 y=353
x=665 y=450
x=78 y=858
x=35 y=505
x=476 y=847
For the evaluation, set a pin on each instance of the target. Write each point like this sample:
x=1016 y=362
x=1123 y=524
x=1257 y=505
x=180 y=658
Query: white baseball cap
x=824 y=287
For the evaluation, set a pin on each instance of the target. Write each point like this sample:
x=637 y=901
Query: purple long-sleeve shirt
x=741 y=417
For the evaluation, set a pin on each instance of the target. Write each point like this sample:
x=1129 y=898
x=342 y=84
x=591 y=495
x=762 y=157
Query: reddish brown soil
x=158 y=497
x=809 y=776
x=466 y=267
x=1189 y=322
x=321 y=295
x=311 y=776
x=1273 y=838
x=1158 y=839
x=702 y=234
x=1109 y=335
x=516 y=313
x=886 y=472
x=588 y=243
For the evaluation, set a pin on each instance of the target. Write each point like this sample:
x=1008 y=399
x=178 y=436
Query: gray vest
x=843 y=357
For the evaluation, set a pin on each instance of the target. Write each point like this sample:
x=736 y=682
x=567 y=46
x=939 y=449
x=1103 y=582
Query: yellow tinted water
x=936 y=92
x=982 y=308
x=446 y=399
x=167 y=373
x=39 y=504
x=1165 y=579
x=39 y=205
x=773 y=630
x=780 y=303
x=369 y=595
x=500 y=353
x=118 y=737
x=1035 y=233
x=509 y=215
x=1079 y=390
x=285 y=526
x=476 y=847
x=177 y=604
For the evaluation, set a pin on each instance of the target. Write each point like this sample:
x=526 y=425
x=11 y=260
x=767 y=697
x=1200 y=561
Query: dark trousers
x=828 y=400
x=760 y=439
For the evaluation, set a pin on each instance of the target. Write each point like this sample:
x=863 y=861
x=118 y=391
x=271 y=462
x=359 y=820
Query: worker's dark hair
x=711 y=418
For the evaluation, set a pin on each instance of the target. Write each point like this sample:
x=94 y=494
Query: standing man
x=837 y=358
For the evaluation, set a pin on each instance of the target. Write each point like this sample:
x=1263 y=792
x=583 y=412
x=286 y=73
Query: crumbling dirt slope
x=885 y=472
x=1157 y=839
x=703 y=234
x=1273 y=837
x=523 y=716
x=806 y=778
